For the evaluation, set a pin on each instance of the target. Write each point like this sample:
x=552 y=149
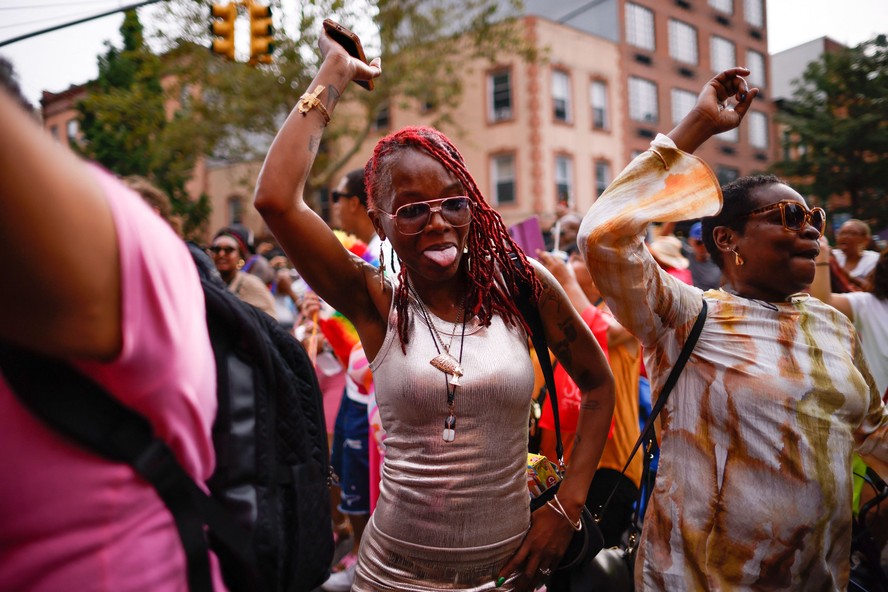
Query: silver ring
x=546 y=571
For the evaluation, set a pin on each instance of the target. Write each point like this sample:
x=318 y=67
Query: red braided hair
x=489 y=243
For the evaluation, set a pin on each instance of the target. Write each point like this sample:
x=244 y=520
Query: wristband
x=309 y=101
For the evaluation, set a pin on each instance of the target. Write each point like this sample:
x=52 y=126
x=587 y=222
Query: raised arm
x=62 y=282
x=821 y=287
x=337 y=276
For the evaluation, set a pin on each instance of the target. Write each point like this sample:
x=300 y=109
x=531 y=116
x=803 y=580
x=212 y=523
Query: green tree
x=125 y=125
x=838 y=117
x=425 y=47
x=229 y=112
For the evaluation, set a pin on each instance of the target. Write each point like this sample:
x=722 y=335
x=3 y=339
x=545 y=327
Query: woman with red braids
x=448 y=351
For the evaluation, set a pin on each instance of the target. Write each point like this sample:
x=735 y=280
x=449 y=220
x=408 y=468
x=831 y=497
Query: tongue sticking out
x=444 y=257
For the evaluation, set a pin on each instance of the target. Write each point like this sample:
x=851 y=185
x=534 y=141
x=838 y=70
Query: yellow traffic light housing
x=261 y=33
x=222 y=26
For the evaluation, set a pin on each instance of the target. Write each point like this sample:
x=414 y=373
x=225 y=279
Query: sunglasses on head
x=794 y=215
x=412 y=218
x=224 y=249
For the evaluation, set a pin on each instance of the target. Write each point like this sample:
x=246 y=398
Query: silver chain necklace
x=445 y=362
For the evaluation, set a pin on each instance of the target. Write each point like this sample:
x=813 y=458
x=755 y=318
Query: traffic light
x=222 y=26
x=261 y=33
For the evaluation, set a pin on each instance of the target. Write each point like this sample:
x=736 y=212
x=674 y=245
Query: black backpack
x=269 y=514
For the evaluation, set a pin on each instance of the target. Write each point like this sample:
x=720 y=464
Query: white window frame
x=501 y=113
x=640 y=27
x=754 y=12
x=563 y=174
x=642 y=93
x=732 y=135
x=725 y=6
x=722 y=53
x=755 y=62
x=561 y=95
x=599 y=102
x=502 y=171
x=683 y=42
x=682 y=102
x=603 y=175
x=758 y=130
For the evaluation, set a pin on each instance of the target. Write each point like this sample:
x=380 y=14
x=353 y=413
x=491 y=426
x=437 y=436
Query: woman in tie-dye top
x=753 y=490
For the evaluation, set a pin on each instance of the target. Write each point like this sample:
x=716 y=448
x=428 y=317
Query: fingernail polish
x=500 y=581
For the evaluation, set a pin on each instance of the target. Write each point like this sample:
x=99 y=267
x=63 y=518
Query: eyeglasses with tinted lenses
x=336 y=196
x=794 y=215
x=216 y=249
x=412 y=218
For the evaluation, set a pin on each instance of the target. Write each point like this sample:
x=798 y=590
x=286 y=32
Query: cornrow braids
x=493 y=275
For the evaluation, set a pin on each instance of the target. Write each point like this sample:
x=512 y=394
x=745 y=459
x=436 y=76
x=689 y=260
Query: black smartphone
x=350 y=42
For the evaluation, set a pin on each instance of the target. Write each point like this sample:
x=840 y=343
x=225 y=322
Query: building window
x=682 y=42
x=564 y=179
x=682 y=103
x=602 y=176
x=724 y=55
x=758 y=129
x=235 y=209
x=643 y=100
x=732 y=135
x=640 y=26
x=755 y=62
x=726 y=174
x=499 y=86
x=72 y=129
x=561 y=95
x=502 y=175
x=383 y=119
x=598 y=98
x=754 y=13
x=54 y=131
x=726 y=6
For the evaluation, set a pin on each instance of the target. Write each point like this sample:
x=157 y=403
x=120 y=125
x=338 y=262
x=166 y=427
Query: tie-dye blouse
x=753 y=490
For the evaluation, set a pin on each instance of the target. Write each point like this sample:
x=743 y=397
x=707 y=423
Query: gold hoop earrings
x=738 y=260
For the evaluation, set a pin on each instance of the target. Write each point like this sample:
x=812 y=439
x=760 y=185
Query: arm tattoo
x=332 y=96
x=314 y=142
x=592 y=405
x=562 y=352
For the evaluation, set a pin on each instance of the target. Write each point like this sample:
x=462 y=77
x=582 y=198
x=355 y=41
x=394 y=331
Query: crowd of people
x=407 y=305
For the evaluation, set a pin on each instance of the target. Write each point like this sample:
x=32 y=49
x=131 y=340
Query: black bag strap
x=531 y=315
x=82 y=410
x=646 y=435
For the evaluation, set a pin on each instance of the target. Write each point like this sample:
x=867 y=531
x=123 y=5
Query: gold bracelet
x=309 y=101
x=822 y=263
x=560 y=509
x=660 y=156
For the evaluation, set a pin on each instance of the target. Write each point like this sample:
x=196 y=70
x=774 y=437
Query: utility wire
x=77 y=22
x=56 y=5
x=580 y=10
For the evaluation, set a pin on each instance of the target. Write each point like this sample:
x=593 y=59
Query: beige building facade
x=616 y=72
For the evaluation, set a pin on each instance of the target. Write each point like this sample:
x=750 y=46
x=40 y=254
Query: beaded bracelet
x=560 y=509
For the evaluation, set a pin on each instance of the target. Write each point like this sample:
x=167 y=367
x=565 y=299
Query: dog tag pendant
x=449 y=432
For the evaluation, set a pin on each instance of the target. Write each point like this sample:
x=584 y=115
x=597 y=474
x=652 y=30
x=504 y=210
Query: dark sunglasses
x=225 y=250
x=794 y=215
x=335 y=196
x=412 y=218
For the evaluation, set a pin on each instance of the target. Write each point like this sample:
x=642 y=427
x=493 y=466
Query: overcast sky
x=54 y=61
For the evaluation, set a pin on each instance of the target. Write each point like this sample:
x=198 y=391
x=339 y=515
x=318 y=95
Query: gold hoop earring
x=381 y=265
x=737 y=258
x=240 y=264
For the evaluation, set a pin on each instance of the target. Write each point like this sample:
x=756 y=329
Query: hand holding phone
x=350 y=42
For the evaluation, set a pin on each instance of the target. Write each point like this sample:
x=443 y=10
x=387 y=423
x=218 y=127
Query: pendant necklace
x=445 y=362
